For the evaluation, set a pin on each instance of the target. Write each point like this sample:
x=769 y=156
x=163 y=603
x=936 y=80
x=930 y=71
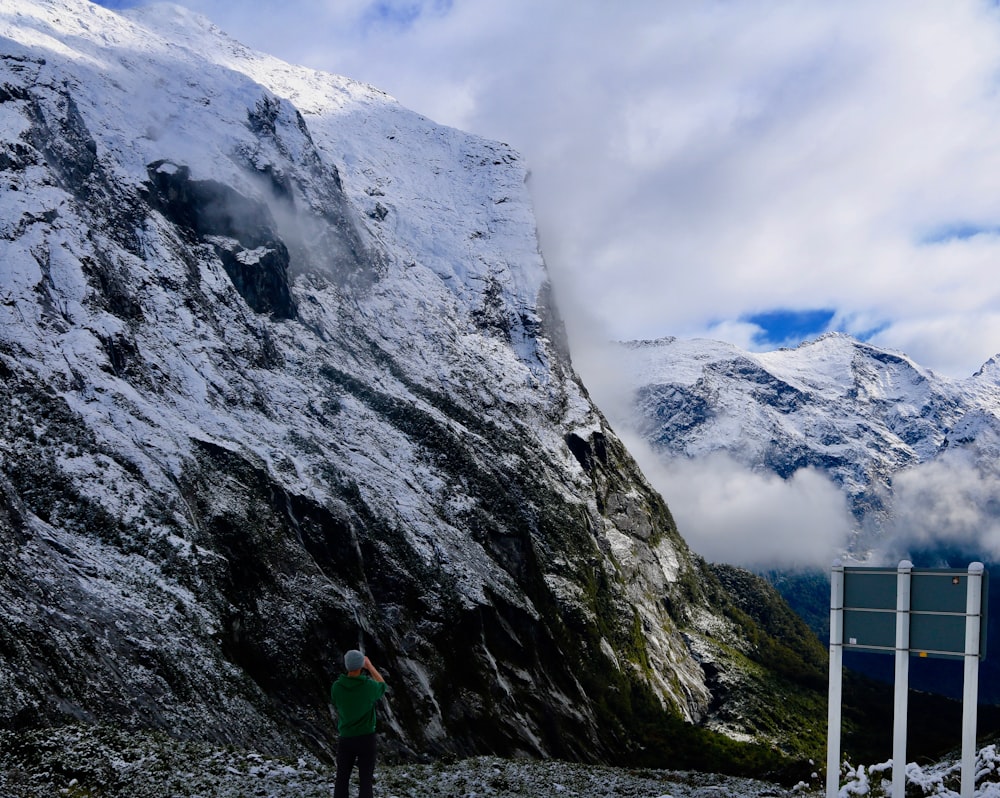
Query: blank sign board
x=936 y=613
x=929 y=612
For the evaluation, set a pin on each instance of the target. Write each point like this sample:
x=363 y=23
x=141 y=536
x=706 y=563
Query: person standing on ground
x=354 y=695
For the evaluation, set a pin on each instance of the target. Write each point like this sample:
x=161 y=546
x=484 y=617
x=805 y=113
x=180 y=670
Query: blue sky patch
x=782 y=327
x=116 y=5
x=402 y=14
x=396 y=14
x=867 y=335
x=959 y=231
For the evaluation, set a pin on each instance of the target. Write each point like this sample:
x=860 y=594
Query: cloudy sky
x=757 y=171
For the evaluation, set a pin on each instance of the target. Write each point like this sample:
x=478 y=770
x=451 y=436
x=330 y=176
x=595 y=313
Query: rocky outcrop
x=240 y=230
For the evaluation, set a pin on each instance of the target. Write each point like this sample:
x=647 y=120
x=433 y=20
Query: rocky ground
x=105 y=762
x=97 y=761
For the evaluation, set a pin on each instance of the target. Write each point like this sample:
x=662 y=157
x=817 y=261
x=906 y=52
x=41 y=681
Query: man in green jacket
x=354 y=695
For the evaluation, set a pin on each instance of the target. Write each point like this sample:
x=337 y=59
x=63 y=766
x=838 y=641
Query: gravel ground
x=86 y=762
x=499 y=778
x=106 y=762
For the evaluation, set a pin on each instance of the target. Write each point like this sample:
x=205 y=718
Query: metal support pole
x=970 y=696
x=836 y=680
x=902 y=678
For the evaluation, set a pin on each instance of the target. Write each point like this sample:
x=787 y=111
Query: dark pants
x=350 y=750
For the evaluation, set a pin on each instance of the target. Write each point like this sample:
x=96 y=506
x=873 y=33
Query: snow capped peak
x=675 y=359
x=990 y=370
x=178 y=24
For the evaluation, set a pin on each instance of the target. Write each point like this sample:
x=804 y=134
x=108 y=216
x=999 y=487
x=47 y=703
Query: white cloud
x=728 y=513
x=738 y=333
x=952 y=501
x=955 y=339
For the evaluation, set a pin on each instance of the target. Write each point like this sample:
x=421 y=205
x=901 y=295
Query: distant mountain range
x=881 y=427
x=915 y=455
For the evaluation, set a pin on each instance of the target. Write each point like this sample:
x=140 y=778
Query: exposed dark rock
x=258 y=261
x=319 y=227
x=208 y=208
x=585 y=451
x=492 y=313
x=61 y=134
x=669 y=409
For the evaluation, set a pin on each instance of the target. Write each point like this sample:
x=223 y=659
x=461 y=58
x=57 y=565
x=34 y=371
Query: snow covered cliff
x=280 y=375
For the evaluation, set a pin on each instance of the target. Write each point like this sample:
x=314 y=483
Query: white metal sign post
x=928 y=612
x=902 y=691
x=833 y=719
x=970 y=695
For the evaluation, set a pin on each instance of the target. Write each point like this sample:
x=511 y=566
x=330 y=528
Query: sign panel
x=941 y=590
x=869 y=630
x=870 y=589
x=936 y=615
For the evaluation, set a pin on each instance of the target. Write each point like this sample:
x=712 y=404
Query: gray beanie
x=354 y=660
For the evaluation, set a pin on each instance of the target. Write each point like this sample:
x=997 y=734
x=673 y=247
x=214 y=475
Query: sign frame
x=907 y=612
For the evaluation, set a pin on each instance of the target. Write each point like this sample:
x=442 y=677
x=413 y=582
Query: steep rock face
x=280 y=375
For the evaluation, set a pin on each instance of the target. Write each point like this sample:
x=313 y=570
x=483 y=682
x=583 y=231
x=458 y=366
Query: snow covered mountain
x=900 y=442
x=280 y=375
x=915 y=456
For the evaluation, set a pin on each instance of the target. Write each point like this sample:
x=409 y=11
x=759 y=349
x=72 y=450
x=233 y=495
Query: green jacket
x=355 y=697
